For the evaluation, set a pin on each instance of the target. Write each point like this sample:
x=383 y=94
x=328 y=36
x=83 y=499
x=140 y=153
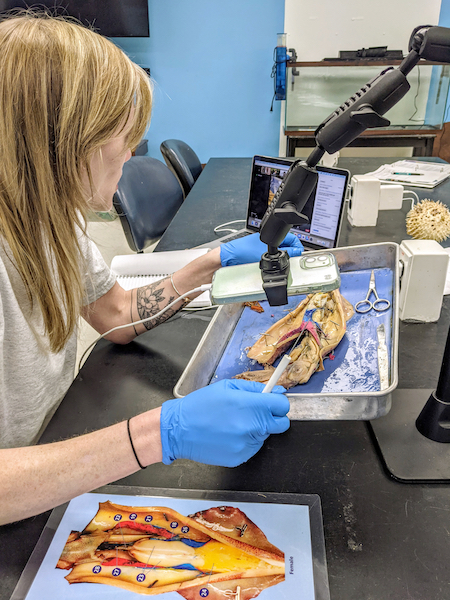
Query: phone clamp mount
x=284 y=211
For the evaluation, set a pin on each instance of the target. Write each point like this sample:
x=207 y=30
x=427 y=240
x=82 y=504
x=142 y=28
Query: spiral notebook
x=136 y=270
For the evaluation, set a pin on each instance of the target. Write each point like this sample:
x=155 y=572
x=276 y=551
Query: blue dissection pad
x=355 y=364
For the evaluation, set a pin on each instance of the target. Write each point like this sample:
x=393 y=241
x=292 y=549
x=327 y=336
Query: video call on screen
x=323 y=207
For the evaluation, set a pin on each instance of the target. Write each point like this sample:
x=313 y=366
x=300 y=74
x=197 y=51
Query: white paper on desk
x=423 y=174
x=136 y=270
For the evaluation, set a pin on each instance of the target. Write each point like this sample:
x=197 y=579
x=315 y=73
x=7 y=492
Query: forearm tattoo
x=151 y=299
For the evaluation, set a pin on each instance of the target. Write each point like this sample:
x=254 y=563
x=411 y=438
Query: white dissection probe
x=282 y=365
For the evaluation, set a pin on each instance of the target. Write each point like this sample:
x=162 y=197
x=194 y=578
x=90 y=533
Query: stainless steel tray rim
x=380 y=399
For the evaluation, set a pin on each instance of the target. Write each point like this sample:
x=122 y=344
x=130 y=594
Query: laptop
x=324 y=207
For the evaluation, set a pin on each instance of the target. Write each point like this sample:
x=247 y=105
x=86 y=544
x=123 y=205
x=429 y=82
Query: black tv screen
x=112 y=18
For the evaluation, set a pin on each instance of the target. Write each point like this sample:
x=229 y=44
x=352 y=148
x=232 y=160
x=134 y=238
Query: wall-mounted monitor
x=112 y=18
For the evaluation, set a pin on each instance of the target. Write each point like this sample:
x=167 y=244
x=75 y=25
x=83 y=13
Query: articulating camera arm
x=365 y=109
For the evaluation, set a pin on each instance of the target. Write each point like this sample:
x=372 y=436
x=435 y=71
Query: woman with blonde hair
x=73 y=106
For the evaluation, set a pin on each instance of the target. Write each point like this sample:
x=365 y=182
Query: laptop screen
x=324 y=207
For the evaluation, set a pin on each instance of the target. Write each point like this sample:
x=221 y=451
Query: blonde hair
x=65 y=91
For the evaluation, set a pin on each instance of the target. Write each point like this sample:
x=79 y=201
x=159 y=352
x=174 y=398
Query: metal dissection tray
x=349 y=386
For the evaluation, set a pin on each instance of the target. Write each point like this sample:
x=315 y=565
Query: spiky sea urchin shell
x=428 y=220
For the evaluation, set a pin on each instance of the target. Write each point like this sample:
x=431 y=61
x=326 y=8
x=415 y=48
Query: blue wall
x=444 y=17
x=444 y=21
x=211 y=62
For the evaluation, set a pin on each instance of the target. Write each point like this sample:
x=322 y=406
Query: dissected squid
x=321 y=320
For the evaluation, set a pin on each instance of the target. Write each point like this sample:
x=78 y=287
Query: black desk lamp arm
x=361 y=111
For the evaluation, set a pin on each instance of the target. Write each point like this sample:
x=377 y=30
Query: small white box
x=423 y=280
x=391 y=196
x=364 y=200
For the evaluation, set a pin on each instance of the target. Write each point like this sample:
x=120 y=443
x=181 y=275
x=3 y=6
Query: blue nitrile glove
x=222 y=424
x=250 y=248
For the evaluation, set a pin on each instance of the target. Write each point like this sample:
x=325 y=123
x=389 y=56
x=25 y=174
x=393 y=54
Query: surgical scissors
x=363 y=306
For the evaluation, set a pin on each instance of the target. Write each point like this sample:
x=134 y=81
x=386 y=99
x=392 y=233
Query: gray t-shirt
x=33 y=380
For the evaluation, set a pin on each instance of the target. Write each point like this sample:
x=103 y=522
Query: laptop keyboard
x=236 y=236
x=226 y=238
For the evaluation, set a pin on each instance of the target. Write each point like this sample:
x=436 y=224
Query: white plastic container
x=422 y=285
x=364 y=201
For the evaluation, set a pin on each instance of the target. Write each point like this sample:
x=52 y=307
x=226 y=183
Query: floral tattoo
x=150 y=300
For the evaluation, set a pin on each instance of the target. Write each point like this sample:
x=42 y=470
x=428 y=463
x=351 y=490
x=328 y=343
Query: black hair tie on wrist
x=132 y=446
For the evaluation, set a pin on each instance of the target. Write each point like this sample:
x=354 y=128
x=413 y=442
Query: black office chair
x=183 y=162
x=146 y=201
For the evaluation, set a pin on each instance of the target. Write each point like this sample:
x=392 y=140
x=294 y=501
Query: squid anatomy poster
x=123 y=547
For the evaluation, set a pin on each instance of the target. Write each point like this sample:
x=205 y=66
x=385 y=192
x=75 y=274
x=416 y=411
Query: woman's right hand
x=222 y=424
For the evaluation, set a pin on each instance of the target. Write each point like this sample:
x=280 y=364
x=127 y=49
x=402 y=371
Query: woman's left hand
x=249 y=249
